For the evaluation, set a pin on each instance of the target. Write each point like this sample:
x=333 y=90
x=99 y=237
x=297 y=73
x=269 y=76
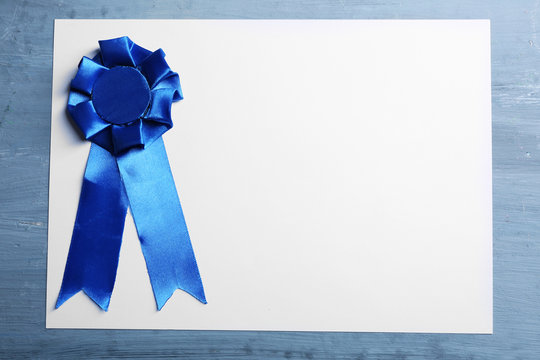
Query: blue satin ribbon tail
x=97 y=235
x=160 y=223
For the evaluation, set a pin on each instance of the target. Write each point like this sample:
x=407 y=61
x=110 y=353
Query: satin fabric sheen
x=127 y=167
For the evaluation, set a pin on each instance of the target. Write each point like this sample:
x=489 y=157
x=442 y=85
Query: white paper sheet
x=334 y=175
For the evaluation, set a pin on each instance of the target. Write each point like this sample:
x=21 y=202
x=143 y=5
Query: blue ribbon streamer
x=121 y=101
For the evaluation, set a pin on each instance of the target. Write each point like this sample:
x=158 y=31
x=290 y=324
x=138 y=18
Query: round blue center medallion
x=121 y=95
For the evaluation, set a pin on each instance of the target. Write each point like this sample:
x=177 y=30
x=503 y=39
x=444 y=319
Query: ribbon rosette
x=121 y=101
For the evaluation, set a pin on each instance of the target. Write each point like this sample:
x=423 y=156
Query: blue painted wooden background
x=26 y=32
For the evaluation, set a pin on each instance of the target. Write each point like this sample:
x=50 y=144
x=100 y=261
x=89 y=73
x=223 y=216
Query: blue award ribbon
x=121 y=101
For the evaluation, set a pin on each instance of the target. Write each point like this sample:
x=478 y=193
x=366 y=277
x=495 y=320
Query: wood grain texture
x=26 y=32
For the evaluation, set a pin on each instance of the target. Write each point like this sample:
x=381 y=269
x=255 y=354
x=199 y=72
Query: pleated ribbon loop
x=121 y=101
